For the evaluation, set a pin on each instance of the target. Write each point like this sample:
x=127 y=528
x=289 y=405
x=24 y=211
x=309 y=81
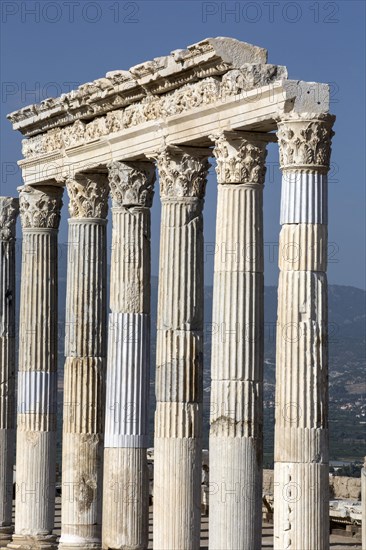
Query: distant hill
x=347 y=381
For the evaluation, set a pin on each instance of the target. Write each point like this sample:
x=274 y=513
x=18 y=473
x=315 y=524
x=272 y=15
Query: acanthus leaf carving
x=131 y=184
x=88 y=195
x=75 y=133
x=152 y=107
x=9 y=209
x=305 y=141
x=40 y=206
x=95 y=129
x=114 y=122
x=53 y=140
x=239 y=159
x=182 y=173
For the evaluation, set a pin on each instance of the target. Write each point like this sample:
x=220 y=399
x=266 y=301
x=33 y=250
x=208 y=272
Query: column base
x=82 y=545
x=29 y=542
x=6 y=535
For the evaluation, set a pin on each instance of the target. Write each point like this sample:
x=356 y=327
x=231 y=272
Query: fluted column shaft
x=9 y=208
x=179 y=364
x=301 y=482
x=126 y=479
x=37 y=377
x=237 y=346
x=85 y=350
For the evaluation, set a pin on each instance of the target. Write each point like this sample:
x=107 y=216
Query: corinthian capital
x=240 y=159
x=305 y=141
x=40 y=206
x=88 y=195
x=132 y=184
x=183 y=172
x=9 y=209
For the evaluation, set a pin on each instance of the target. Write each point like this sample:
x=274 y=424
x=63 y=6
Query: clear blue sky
x=47 y=45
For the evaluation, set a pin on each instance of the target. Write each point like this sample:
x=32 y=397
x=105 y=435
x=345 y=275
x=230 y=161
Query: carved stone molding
x=131 y=184
x=40 y=207
x=88 y=195
x=239 y=159
x=186 y=97
x=9 y=210
x=305 y=141
x=209 y=57
x=183 y=172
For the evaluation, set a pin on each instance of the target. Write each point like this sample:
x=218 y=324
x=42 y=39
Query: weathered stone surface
x=307 y=97
x=187 y=97
x=301 y=485
x=239 y=160
x=178 y=417
x=212 y=56
x=126 y=482
x=82 y=474
x=237 y=346
x=342 y=487
x=88 y=196
x=85 y=350
x=9 y=208
x=113 y=124
x=126 y=495
x=37 y=397
x=131 y=184
x=40 y=208
x=177 y=491
x=132 y=194
x=236 y=495
x=85 y=326
x=298 y=488
x=234 y=252
x=303 y=247
x=305 y=141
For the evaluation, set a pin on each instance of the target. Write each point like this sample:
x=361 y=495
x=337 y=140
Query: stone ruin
x=217 y=98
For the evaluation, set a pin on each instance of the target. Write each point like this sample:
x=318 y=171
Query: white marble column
x=9 y=208
x=85 y=366
x=179 y=364
x=37 y=376
x=301 y=475
x=126 y=479
x=363 y=502
x=236 y=419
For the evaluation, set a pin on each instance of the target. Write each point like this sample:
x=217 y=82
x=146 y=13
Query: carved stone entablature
x=183 y=172
x=88 y=195
x=40 y=207
x=131 y=184
x=210 y=57
x=305 y=141
x=240 y=159
x=9 y=209
x=250 y=77
x=189 y=96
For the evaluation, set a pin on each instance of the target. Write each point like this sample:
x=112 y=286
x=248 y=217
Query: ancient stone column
x=236 y=419
x=9 y=208
x=301 y=475
x=179 y=364
x=126 y=480
x=85 y=350
x=363 y=503
x=37 y=377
